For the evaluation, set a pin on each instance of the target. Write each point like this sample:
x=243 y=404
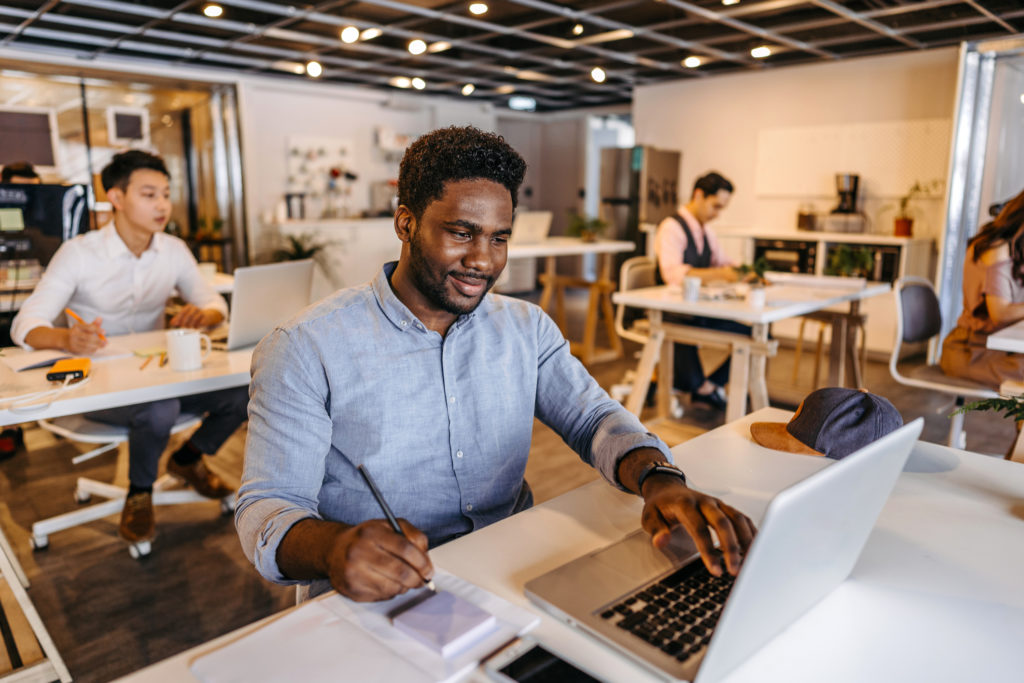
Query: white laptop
x=264 y=297
x=667 y=614
x=530 y=227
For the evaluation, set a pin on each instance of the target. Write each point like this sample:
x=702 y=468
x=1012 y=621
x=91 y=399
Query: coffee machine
x=846 y=217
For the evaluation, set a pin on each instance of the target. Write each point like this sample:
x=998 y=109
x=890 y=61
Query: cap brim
x=774 y=435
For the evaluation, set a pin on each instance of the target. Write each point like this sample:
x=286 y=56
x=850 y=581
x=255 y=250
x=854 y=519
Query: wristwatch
x=660 y=467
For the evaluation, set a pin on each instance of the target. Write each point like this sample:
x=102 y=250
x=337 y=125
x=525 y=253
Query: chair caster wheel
x=39 y=543
x=140 y=550
x=82 y=497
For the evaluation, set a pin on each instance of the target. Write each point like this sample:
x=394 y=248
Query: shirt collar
x=116 y=247
x=397 y=312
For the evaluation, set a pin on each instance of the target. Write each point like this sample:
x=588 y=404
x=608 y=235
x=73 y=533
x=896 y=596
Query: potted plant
x=753 y=273
x=298 y=247
x=903 y=224
x=587 y=228
x=847 y=261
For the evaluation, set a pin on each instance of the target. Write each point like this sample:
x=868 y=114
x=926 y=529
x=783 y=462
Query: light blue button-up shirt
x=444 y=424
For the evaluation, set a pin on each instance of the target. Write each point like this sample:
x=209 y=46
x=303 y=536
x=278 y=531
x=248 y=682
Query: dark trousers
x=688 y=373
x=149 y=426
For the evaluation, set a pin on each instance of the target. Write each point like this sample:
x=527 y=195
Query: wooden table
x=935 y=595
x=749 y=354
x=599 y=301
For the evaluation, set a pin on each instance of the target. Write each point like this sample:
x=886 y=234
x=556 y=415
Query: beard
x=431 y=282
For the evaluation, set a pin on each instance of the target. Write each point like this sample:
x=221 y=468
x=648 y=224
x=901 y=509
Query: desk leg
x=648 y=359
x=759 y=370
x=609 y=322
x=851 y=344
x=837 y=352
x=590 y=324
x=666 y=375
x=549 y=282
x=739 y=383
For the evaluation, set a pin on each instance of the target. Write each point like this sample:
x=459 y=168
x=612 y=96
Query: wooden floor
x=110 y=615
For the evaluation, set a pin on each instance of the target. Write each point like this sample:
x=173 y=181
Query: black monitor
x=35 y=219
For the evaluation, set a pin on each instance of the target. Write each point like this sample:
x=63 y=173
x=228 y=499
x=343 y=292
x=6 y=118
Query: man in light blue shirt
x=433 y=385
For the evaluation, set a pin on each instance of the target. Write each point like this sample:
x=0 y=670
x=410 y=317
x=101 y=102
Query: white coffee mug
x=691 y=288
x=756 y=297
x=184 y=349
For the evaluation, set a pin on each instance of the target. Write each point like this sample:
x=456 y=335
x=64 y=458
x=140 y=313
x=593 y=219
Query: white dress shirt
x=670 y=244
x=95 y=275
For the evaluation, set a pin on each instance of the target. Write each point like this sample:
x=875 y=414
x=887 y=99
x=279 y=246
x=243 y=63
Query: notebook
x=530 y=227
x=668 y=615
x=264 y=297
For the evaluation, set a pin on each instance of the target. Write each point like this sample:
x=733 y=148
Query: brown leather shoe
x=196 y=475
x=137 y=520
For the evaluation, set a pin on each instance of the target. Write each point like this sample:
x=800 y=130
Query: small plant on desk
x=587 y=228
x=753 y=273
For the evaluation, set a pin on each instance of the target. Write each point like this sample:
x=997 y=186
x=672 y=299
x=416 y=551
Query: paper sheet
x=334 y=638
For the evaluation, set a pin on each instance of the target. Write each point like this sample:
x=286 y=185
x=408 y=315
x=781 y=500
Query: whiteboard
x=889 y=156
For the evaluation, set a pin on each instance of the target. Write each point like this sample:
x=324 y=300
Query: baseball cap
x=833 y=422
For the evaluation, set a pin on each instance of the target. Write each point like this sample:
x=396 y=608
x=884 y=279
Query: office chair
x=82 y=429
x=918 y=319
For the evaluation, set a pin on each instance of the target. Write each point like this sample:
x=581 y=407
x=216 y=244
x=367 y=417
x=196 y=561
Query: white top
x=670 y=244
x=96 y=276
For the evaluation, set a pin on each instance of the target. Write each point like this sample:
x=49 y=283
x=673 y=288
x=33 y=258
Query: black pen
x=387 y=511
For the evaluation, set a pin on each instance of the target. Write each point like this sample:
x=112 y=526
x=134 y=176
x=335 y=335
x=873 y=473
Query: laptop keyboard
x=678 y=613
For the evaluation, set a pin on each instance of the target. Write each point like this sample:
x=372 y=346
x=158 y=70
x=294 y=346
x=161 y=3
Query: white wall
x=272 y=111
x=715 y=122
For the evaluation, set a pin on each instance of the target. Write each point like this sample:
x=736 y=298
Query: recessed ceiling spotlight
x=760 y=52
x=468 y=89
x=730 y=2
x=577 y=30
x=692 y=62
x=213 y=10
x=505 y=89
x=478 y=8
x=349 y=34
x=439 y=46
x=419 y=83
x=417 y=47
x=399 y=81
x=522 y=103
x=370 y=33
x=598 y=74
x=314 y=69
x=1022 y=98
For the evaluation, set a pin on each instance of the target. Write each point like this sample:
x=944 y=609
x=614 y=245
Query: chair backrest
x=918 y=317
x=636 y=272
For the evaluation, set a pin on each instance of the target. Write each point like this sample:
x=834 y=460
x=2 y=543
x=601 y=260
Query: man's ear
x=405 y=223
x=115 y=196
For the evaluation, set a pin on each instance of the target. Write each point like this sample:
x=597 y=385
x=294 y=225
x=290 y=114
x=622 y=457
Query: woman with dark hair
x=993 y=299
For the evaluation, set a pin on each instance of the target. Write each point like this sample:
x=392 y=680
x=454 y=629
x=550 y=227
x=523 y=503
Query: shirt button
x=404 y=323
x=451 y=399
x=458 y=454
x=469 y=507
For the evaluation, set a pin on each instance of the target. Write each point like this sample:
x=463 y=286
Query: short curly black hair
x=456 y=153
x=119 y=171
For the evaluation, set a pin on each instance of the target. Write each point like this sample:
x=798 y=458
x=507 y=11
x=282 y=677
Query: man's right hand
x=370 y=562
x=84 y=340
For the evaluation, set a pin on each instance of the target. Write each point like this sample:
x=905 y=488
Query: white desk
x=1008 y=339
x=747 y=372
x=120 y=382
x=935 y=596
x=599 y=304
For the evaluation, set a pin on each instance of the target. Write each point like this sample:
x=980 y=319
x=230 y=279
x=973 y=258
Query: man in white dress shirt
x=119 y=278
x=686 y=247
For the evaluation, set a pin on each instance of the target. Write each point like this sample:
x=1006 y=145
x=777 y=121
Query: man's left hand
x=194 y=317
x=668 y=502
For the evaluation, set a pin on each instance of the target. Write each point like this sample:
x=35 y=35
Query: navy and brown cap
x=833 y=422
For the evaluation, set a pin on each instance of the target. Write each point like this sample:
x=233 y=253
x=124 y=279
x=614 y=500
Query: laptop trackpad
x=637 y=558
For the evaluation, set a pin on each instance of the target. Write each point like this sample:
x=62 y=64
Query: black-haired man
x=120 y=278
x=20 y=172
x=686 y=247
x=433 y=384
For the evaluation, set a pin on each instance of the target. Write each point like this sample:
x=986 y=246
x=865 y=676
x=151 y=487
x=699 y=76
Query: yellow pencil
x=78 y=319
x=145 y=362
x=163 y=359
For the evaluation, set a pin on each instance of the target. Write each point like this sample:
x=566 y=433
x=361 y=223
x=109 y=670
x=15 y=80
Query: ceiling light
x=399 y=81
x=730 y=2
x=213 y=10
x=598 y=74
x=505 y=89
x=370 y=33
x=417 y=47
x=349 y=34
x=577 y=30
x=419 y=83
x=761 y=51
x=478 y=8
x=439 y=46
x=1022 y=98
x=522 y=103
x=297 y=68
x=692 y=62
x=314 y=69
x=468 y=89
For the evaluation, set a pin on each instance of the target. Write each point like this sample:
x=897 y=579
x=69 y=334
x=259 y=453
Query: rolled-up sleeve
x=573 y=404
x=288 y=441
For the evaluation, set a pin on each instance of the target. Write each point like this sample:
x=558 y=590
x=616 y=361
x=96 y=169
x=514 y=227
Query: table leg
x=666 y=374
x=851 y=344
x=549 y=282
x=590 y=324
x=609 y=322
x=739 y=379
x=648 y=359
x=758 y=371
x=837 y=352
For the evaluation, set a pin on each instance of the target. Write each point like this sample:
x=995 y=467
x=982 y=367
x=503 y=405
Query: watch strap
x=660 y=467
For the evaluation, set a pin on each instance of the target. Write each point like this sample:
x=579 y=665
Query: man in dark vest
x=686 y=247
